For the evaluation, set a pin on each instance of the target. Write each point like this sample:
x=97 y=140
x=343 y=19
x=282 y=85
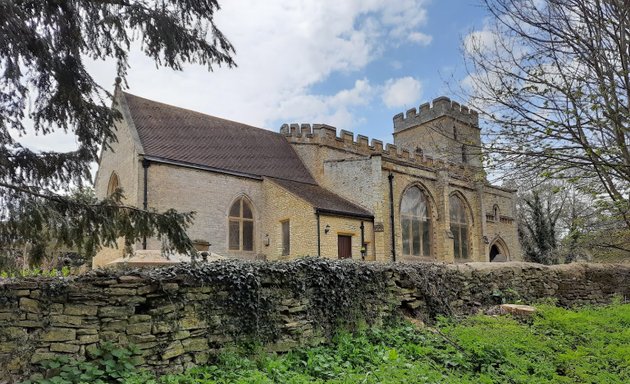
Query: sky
x=352 y=64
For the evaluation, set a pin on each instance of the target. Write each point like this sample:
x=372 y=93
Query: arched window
x=495 y=213
x=241 y=226
x=414 y=217
x=113 y=184
x=459 y=227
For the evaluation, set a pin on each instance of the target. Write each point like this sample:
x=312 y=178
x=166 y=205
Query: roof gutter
x=331 y=212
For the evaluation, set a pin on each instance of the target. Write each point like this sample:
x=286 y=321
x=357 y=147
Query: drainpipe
x=363 y=250
x=391 y=214
x=145 y=194
x=319 y=243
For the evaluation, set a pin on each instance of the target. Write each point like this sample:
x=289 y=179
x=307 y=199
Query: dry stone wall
x=181 y=316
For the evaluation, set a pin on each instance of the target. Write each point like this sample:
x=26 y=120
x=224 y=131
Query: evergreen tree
x=537 y=230
x=43 y=48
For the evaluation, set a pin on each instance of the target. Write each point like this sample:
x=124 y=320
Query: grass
x=590 y=345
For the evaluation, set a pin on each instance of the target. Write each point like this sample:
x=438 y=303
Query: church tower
x=443 y=130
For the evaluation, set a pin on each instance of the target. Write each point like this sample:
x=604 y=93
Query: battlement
x=322 y=134
x=442 y=106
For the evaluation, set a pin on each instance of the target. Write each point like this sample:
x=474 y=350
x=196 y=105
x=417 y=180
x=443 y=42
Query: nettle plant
x=108 y=364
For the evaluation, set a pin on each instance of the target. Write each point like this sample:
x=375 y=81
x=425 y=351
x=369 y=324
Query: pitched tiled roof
x=185 y=136
x=323 y=200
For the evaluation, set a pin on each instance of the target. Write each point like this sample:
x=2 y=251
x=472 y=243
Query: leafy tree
x=559 y=223
x=45 y=86
x=553 y=79
x=578 y=219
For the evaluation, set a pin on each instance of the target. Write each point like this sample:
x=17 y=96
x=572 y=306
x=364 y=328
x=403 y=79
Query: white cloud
x=480 y=41
x=489 y=44
x=405 y=17
x=401 y=92
x=282 y=50
x=335 y=110
x=420 y=38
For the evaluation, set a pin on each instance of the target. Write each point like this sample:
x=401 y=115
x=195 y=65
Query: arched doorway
x=498 y=251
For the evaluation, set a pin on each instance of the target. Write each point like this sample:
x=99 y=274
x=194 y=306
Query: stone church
x=310 y=190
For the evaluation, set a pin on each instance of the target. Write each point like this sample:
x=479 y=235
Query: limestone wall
x=179 y=317
x=356 y=179
x=121 y=158
x=345 y=226
x=444 y=138
x=441 y=106
x=346 y=164
x=281 y=205
x=210 y=195
x=442 y=130
x=328 y=146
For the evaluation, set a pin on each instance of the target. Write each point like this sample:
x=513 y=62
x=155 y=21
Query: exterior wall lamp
x=266 y=240
x=327 y=228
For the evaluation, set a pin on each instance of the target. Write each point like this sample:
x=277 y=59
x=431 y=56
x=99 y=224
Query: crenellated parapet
x=359 y=145
x=442 y=106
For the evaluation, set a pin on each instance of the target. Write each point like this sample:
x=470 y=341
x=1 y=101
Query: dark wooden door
x=344 y=246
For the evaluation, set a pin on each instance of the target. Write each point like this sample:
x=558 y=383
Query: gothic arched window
x=113 y=185
x=415 y=222
x=459 y=227
x=241 y=226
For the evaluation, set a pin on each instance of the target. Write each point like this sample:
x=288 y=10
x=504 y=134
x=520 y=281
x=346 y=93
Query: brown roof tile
x=324 y=200
x=186 y=136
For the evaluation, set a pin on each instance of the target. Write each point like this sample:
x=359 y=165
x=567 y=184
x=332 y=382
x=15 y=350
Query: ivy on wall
x=178 y=315
x=333 y=292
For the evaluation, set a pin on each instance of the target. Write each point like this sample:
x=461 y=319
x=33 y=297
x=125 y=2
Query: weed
x=109 y=364
x=590 y=345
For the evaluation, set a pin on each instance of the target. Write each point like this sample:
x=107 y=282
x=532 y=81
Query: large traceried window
x=459 y=227
x=415 y=222
x=241 y=226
